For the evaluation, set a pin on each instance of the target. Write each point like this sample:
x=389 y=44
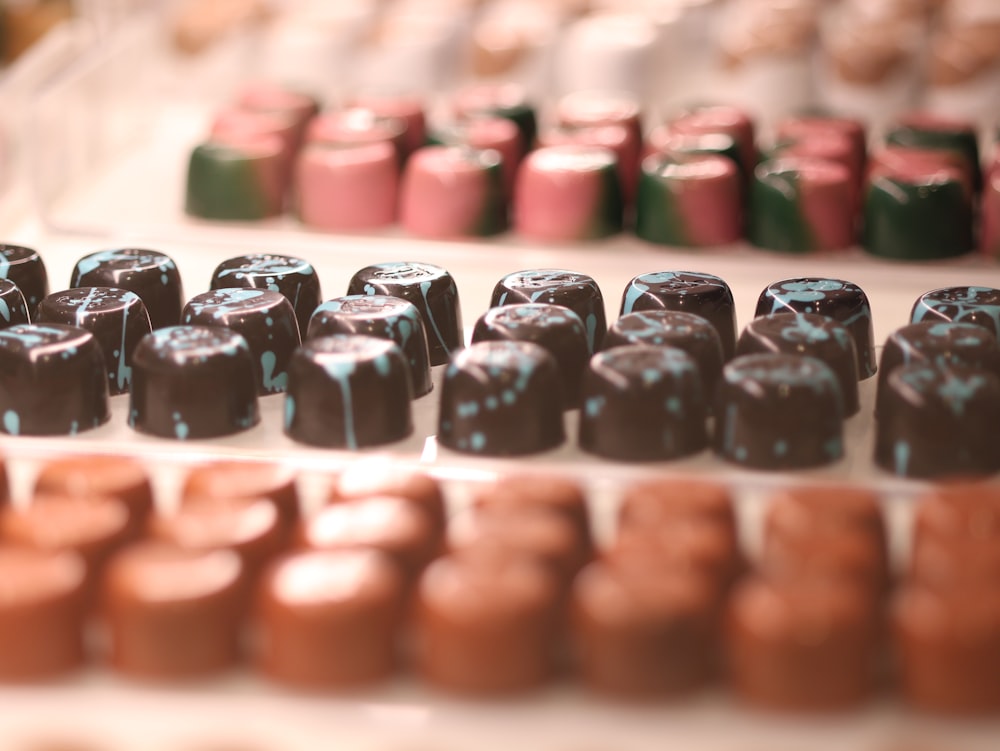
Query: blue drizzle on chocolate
x=978 y=305
x=152 y=275
x=13 y=308
x=25 y=268
x=293 y=277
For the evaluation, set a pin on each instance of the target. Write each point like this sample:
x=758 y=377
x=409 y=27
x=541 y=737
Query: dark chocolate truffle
x=52 y=380
x=811 y=335
x=120 y=477
x=572 y=290
x=779 y=412
x=690 y=292
x=938 y=343
x=842 y=301
x=501 y=399
x=978 y=305
x=150 y=274
x=556 y=328
x=642 y=403
x=430 y=288
x=245 y=479
x=330 y=619
x=348 y=392
x=938 y=421
x=383 y=317
x=193 y=382
x=294 y=278
x=25 y=268
x=13 y=308
x=265 y=319
x=116 y=317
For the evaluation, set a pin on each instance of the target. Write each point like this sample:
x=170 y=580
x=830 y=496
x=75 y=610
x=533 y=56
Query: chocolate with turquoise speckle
x=501 y=399
x=13 y=308
x=978 y=305
x=117 y=319
x=642 y=403
x=673 y=328
x=383 y=317
x=940 y=344
x=842 y=301
x=293 y=277
x=264 y=318
x=24 y=267
x=52 y=380
x=939 y=421
x=811 y=335
x=777 y=411
x=348 y=392
x=572 y=290
x=430 y=288
x=193 y=382
x=704 y=295
x=152 y=275
x=556 y=328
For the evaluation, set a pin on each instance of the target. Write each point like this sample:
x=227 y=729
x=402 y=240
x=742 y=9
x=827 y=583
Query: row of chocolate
x=696 y=180
x=320 y=601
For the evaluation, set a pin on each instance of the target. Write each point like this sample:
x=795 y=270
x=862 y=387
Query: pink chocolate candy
x=721 y=119
x=903 y=160
x=357 y=126
x=617 y=137
x=991 y=211
x=583 y=108
x=408 y=109
x=347 y=187
x=236 y=122
x=489 y=133
x=269 y=97
x=796 y=128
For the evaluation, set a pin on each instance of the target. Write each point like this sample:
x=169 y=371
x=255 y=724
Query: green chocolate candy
x=776 y=220
x=225 y=182
x=958 y=139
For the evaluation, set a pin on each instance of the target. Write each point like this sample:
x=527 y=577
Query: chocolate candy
x=689 y=200
x=347 y=188
x=120 y=477
x=947 y=644
x=497 y=133
x=802 y=204
x=802 y=128
x=567 y=193
x=573 y=290
x=938 y=421
x=348 y=392
x=978 y=305
x=833 y=298
x=13 y=308
x=938 y=343
x=673 y=328
x=532 y=492
x=776 y=411
x=720 y=119
x=689 y=292
x=52 y=380
x=642 y=635
x=294 y=278
x=357 y=126
x=827 y=146
x=664 y=140
x=262 y=96
x=358 y=481
x=801 y=646
x=150 y=274
x=409 y=110
x=485 y=623
x=812 y=335
x=238 y=124
x=41 y=613
x=237 y=179
x=393 y=526
x=501 y=399
x=117 y=319
x=193 y=382
x=642 y=403
x=265 y=319
x=556 y=328
x=506 y=100
x=989 y=228
x=430 y=288
x=452 y=192
x=659 y=502
x=330 y=619
x=592 y=107
x=173 y=614
x=225 y=480
x=384 y=317
x=924 y=131
x=958 y=513
x=25 y=268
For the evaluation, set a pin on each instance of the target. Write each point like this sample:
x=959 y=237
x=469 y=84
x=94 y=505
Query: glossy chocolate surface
x=120 y=477
x=657 y=502
x=978 y=305
x=422 y=490
x=530 y=492
x=245 y=479
x=13 y=308
x=152 y=275
x=25 y=268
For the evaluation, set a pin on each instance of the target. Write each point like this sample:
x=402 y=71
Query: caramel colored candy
x=233 y=479
x=330 y=618
x=41 y=613
x=420 y=489
x=651 y=503
x=173 y=614
x=959 y=512
x=485 y=623
x=640 y=635
x=559 y=494
x=943 y=565
x=392 y=525
x=801 y=647
x=118 y=477
x=4 y=486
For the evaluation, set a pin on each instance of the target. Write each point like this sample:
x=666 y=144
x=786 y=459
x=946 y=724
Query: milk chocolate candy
x=485 y=624
x=13 y=308
x=330 y=619
x=150 y=274
x=52 y=380
x=528 y=491
x=120 y=477
x=422 y=490
x=225 y=480
x=173 y=614
x=658 y=502
x=978 y=305
x=807 y=510
x=25 y=268
x=957 y=513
